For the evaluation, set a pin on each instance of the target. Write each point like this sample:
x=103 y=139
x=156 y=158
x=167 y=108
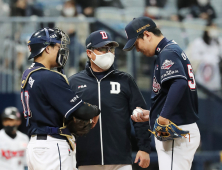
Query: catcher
x=174 y=95
x=53 y=111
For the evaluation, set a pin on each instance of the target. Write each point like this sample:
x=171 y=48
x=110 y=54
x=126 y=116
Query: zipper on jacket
x=100 y=116
x=100 y=123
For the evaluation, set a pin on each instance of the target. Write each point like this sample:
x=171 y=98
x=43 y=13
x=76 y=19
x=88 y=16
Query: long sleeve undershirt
x=175 y=93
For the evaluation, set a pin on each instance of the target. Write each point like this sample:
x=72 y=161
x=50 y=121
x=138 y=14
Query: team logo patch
x=115 y=87
x=167 y=64
x=104 y=35
x=156 y=85
x=158 y=49
x=31 y=81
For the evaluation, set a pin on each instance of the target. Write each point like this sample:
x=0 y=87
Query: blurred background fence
x=198 y=34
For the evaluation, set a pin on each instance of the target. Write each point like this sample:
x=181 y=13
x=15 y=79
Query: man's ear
x=147 y=35
x=89 y=53
x=47 y=49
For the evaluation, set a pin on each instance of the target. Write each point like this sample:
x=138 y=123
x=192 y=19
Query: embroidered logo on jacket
x=31 y=81
x=82 y=86
x=167 y=64
x=74 y=99
x=156 y=85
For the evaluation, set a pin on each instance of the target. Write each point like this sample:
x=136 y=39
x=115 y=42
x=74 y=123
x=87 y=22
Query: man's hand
x=94 y=121
x=162 y=121
x=144 y=158
x=141 y=117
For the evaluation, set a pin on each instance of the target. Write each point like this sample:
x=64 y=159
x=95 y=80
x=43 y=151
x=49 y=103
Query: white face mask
x=202 y=2
x=69 y=12
x=213 y=33
x=104 y=61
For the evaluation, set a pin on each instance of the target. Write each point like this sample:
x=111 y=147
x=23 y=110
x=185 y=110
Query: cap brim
x=102 y=44
x=130 y=44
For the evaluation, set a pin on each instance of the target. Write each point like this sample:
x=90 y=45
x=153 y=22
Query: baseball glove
x=79 y=127
x=168 y=132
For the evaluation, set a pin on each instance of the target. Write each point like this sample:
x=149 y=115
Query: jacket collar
x=90 y=72
x=161 y=45
x=36 y=64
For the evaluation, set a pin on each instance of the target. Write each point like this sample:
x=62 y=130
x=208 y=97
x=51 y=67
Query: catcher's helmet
x=11 y=113
x=47 y=36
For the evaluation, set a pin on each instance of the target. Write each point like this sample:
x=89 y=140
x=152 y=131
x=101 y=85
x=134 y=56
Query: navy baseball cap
x=98 y=39
x=135 y=28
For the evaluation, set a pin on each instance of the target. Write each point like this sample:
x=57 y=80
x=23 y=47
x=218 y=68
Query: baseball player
x=107 y=146
x=13 y=143
x=174 y=95
x=49 y=104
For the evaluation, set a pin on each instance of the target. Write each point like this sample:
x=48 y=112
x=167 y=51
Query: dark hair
x=156 y=31
x=207 y=39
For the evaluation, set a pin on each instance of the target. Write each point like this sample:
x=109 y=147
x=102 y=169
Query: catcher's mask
x=47 y=36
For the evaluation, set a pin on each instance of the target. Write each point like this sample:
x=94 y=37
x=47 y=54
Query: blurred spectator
x=76 y=31
x=195 y=9
x=203 y=10
x=87 y=7
x=18 y=7
x=205 y=55
x=112 y=3
x=13 y=143
x=25 y=8
x=4 y=9
x=153 y=8
x=80 y=28
x=33 y=8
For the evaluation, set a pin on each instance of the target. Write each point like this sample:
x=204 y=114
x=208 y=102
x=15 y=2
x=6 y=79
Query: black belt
x=41 y=137
x=44 y=137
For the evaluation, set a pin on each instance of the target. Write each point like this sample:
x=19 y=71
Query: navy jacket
x=117 y=95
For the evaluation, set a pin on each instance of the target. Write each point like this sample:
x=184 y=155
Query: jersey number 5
x=25 y=104
x=191 y=83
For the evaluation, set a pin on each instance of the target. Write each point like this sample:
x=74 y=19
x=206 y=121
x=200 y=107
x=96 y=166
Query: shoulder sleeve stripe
x=173 y=77
x=73 y=108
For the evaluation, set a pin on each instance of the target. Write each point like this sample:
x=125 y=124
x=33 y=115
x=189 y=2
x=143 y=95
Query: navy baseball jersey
x=47 y=98
x=172 y=63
